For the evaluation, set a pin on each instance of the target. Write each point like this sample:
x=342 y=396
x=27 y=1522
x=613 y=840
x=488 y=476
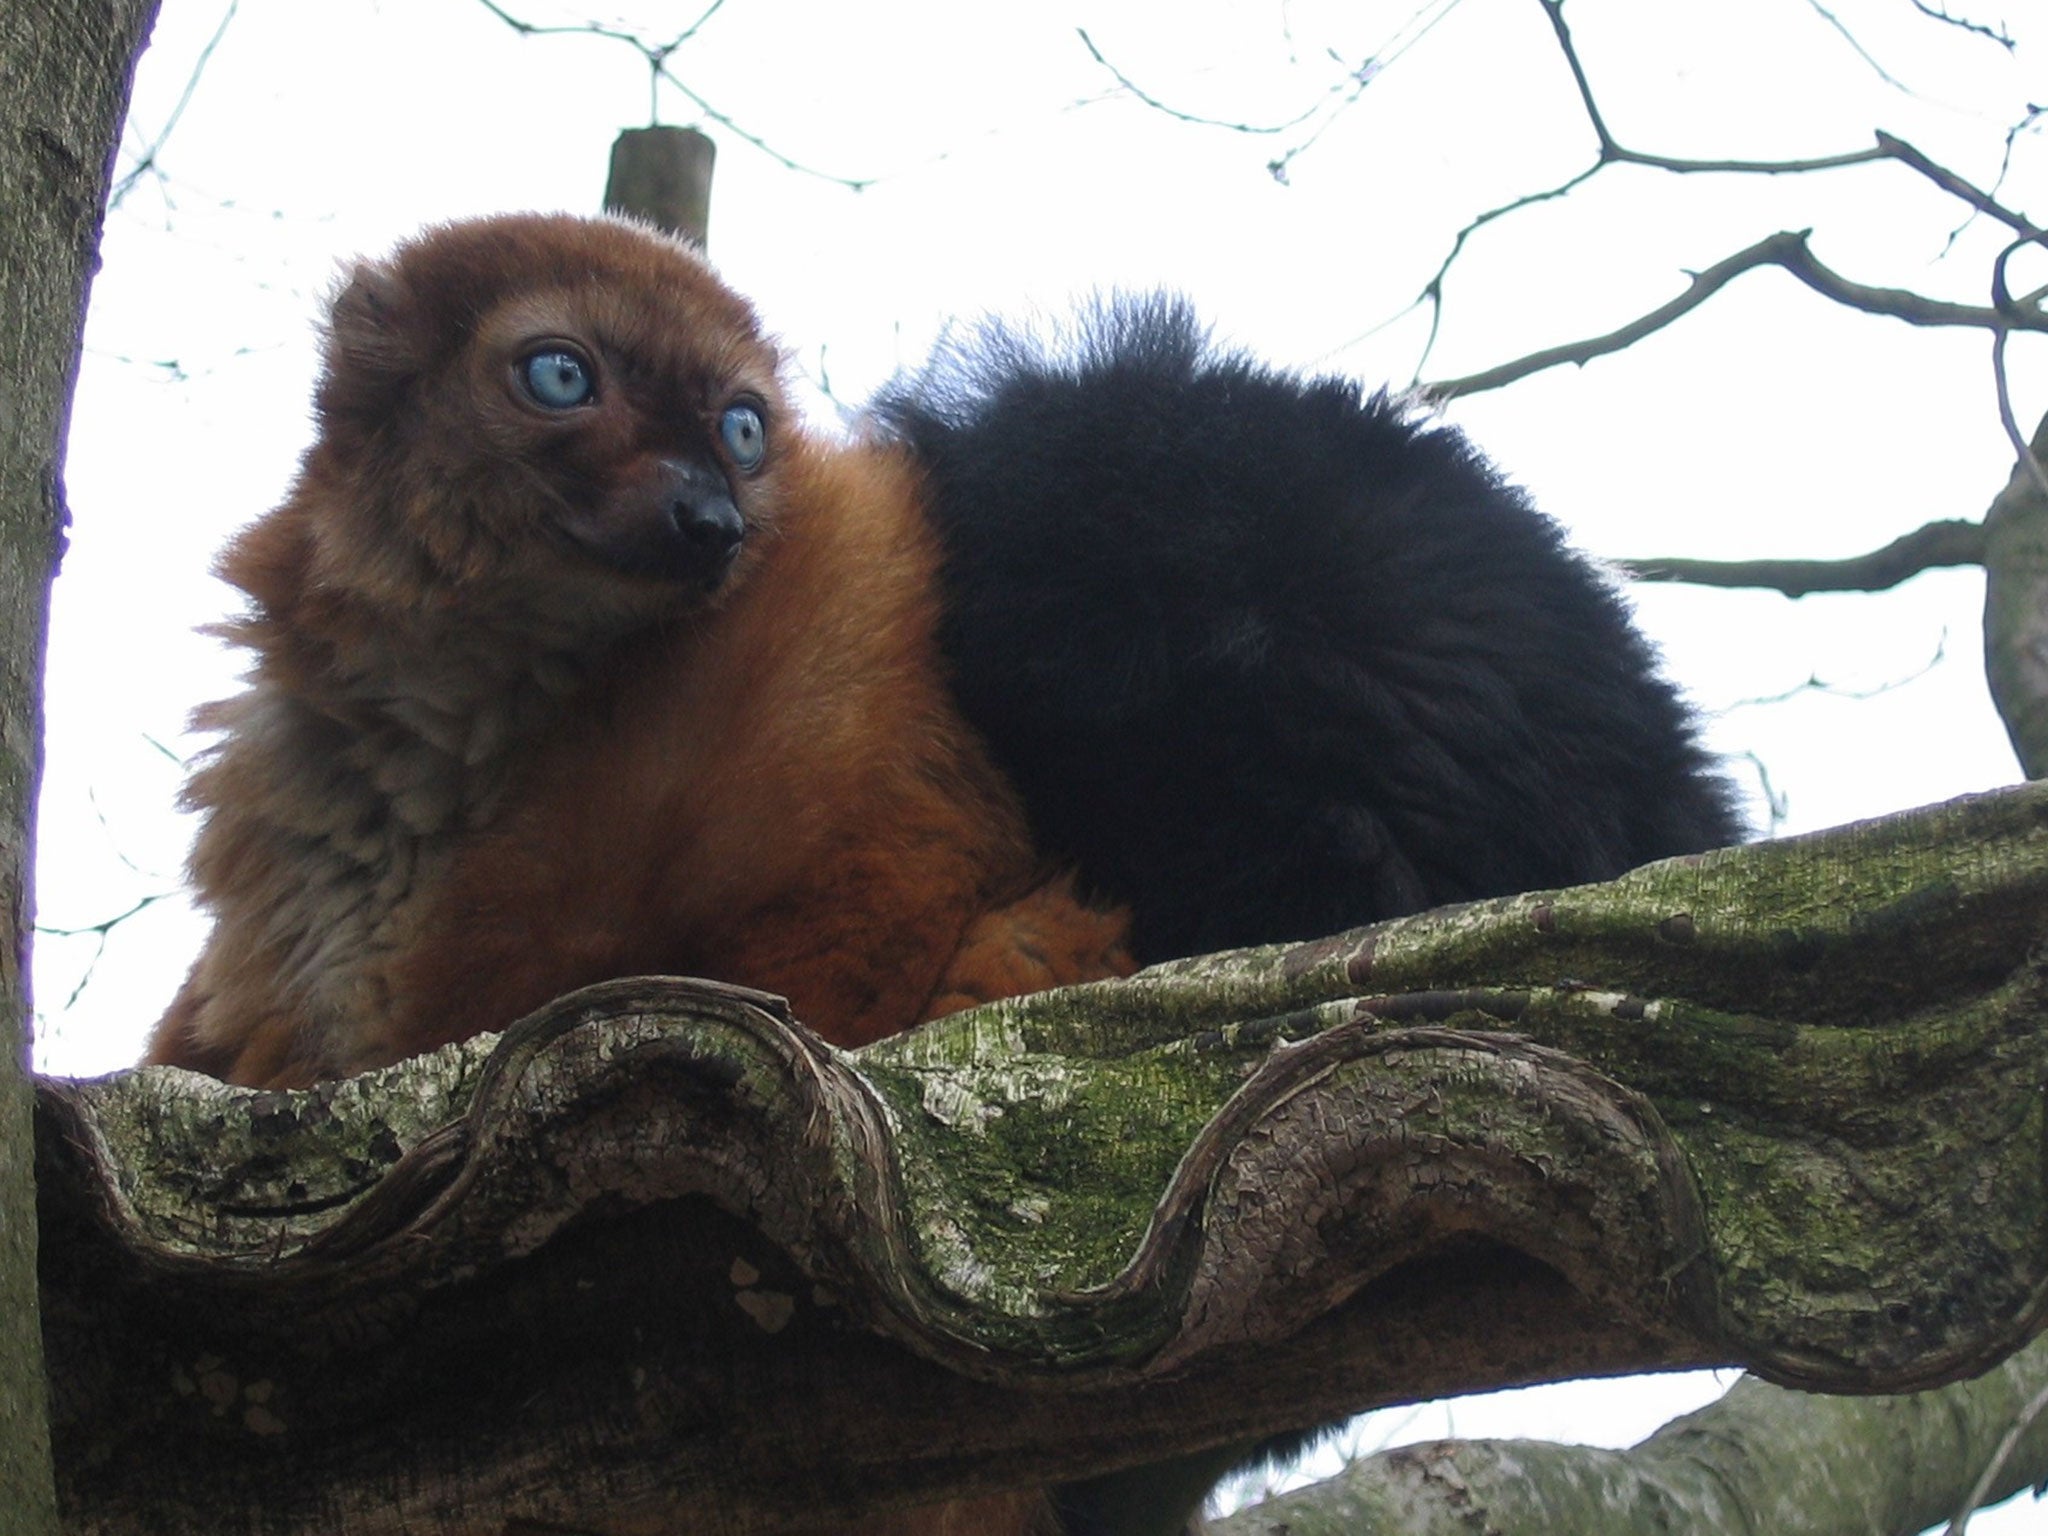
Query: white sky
x=1767 y=424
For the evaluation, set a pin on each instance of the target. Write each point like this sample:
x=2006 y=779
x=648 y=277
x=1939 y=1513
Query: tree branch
x=1760 y=1459
x=657 y=56
x=2016 y=606
x=1611 y=151
x=1787 y=249
x=146 y=161
x=1997 y=35
x=1146 y=97
x=715 y=1271
x=1927 y=548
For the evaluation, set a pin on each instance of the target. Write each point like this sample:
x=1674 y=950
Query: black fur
x=1269 y=657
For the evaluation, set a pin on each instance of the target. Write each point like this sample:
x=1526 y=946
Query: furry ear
x=372 y=344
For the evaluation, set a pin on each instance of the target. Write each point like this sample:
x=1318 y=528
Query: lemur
x=575 y=655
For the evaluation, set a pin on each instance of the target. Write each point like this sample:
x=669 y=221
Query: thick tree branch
x=1760 y=1459
x=1722 y=1110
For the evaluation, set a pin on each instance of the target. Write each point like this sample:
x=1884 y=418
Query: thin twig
x=1433 y=291
x=99 y=931
x=1997 y=35
x=657 y=56
x=1361 y=76
x=1777 y=805
x=1339 y=96
x=1982 y=1490
x=107 y=926
x=598 y=29
x=1157 y=105
x=851 y=183
x=1815 y=683
x=148 y=161
x=1862 y=52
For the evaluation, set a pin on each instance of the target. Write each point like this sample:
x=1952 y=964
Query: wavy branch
x=658 y=1258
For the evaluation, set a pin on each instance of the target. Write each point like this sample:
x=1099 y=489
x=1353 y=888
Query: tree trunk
x=68 y=64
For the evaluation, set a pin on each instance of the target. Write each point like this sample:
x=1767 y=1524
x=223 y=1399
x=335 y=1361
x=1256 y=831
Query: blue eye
x=746 y=439
x=557 y=379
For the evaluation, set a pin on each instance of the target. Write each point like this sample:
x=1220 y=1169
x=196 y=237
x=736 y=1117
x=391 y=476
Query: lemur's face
x=557 y=416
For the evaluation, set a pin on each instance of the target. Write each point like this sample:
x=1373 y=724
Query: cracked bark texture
x=657 y=1257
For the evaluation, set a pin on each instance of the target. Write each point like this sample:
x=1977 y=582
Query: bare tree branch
x=657 y=56
x=654 y=54
x=1815 y=683
x=1856 y=43
x=1433 y=291
x=1288 y=1148
x=2001 y=296
x=1760 y=1459
x=1157 y=105
x=147 y=162
x=1339 y=95
x=1787 y=249
x=1898 y=149
x=1613 y=152
x=1980 y=1494
x=1610 y=151
x=1887 y=147
x=100 y=932
x=1411 y=32
x=1948 y=543
x=1776 y=805
x=1997 y=35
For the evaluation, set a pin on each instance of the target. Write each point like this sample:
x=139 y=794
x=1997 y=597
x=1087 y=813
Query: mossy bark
x=1778 y=1106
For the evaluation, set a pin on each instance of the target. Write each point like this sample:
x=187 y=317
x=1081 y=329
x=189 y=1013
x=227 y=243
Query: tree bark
x=1760 y=1459
x=657 y=1258
x=2016 y=607
x=69 y=64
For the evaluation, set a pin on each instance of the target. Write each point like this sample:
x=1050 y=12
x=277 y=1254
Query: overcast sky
x=1008 y=170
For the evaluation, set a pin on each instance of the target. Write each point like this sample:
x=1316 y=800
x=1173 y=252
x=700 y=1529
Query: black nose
x=711 y=526
x=705 y=528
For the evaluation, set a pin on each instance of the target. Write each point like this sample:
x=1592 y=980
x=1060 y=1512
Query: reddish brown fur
x=477 y=767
